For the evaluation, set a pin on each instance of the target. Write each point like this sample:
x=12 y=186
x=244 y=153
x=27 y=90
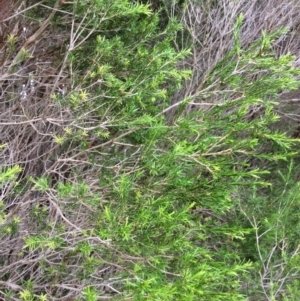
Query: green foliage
x=132 y=65
x=90 y=294
x=40 y=184
x=9 y=174
x=275 y=245
x=154 y=202
x=168 y=212
x=42 y=242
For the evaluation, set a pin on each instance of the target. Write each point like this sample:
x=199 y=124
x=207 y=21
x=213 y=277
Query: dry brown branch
x=31 y=119
x=210 y=32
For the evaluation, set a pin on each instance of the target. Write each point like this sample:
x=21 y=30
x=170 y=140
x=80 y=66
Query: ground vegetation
x=149 y=150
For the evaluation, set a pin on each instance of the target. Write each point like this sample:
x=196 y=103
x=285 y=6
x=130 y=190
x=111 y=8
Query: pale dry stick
x=207 y=153
x=62 y=68
x=192 y=22
x=266 y=270
x=88 y=113
x=84 y=204
x=200 y=163
x=205 y=104
x=282 y=281
x=165 y=272
x=186 y=98
x=21 y=122
x=68 y=160
x=45 y=24
x=126 y=159
x=27 y=269
x=64 y=286
x=51 y=196
x=34 y=37
x=281 y=266
x=270 y=255
x=56 y=121
x=58 y=10
x=255 y=225
x=292 y=100
x=100 y=126
x=111 y=141
x=292 y=116
x=79 y=31
x=110 y=287
x=22 y=11
x=210 y=29
x=10 y=285
x=74 y=36
x=25 y=202
x=39 y=132
x=19 y=263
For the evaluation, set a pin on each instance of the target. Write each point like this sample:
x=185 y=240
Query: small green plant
x=9 y=174
x=40 y=184
x=90 y=294
x=11 y=41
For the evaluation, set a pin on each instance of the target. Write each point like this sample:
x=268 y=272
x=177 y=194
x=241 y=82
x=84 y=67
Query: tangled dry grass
x=33 y=74
x=210 y=26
